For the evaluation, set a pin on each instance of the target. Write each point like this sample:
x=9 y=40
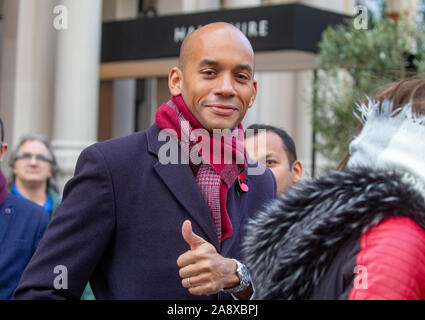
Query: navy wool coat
x=22 y=225
x=119 y=225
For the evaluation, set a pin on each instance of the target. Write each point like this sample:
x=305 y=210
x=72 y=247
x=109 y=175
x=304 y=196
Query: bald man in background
x=138 y=224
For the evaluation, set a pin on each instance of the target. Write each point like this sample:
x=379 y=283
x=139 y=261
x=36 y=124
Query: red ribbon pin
x=242 y=185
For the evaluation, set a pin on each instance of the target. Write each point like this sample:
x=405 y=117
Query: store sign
x=269 y=28
x=251 y=29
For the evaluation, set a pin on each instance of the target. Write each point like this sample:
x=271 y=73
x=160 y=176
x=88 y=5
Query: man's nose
x=226 y=86
x=33 y=161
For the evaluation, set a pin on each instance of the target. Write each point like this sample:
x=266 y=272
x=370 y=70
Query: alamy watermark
x=60 y=21
x=198 y=146
x=361 y=19
x=61 y=280
x=360 y=278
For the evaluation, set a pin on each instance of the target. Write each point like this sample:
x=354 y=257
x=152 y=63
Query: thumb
x=192 y=239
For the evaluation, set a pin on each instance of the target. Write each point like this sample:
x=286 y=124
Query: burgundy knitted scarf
x=225 y=157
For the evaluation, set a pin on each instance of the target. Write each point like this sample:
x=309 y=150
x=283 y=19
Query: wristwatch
x=244 y=278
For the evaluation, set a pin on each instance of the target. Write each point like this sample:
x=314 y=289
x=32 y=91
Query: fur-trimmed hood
x=290 y=245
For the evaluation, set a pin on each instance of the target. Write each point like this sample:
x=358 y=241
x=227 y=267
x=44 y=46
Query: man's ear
x=175 y=79
x=3 y=151
x=297 y=171
x=254 y=94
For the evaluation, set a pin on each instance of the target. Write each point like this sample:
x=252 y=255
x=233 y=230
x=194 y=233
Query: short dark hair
x=288 y=142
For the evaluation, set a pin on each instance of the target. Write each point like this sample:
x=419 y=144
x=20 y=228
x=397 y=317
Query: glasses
x=30 y=156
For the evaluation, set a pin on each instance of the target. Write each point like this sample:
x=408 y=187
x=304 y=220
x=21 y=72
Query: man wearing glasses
x=22 y=224
x=34 y=170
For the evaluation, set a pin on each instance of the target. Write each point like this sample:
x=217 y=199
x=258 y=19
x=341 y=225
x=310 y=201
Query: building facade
x=53 y=81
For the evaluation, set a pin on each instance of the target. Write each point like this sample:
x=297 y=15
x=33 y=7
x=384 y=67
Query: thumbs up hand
x=202 y=269
x=192 y=239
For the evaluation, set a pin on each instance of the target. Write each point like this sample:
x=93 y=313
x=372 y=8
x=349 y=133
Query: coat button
x=7 y=211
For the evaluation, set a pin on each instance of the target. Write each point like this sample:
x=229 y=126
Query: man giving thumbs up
x=120 y=223
x=204 y=271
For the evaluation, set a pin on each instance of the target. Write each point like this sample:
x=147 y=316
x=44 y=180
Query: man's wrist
x=232 y=280
x=244 y=278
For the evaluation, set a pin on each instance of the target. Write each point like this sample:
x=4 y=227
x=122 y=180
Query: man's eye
x=270 y=163
x=208 y=72
x=242 y=76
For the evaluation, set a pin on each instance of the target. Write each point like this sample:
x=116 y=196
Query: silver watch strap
x=244 y=278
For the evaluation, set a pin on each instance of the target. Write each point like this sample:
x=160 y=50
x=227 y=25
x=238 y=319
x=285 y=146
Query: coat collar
x=181 y=183
x=290 y=245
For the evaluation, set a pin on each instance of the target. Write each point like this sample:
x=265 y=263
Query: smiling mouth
x=33 y=171
x=221 y=109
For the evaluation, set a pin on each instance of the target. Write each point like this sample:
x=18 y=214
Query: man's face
x=217 y=82
x=272 y=153
x=29 y=169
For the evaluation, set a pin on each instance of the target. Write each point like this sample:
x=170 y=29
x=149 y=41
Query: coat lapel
x=181 y=183
x=234 y=209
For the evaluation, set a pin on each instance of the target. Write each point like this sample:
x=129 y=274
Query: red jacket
x=352 y=234
x=391 y=262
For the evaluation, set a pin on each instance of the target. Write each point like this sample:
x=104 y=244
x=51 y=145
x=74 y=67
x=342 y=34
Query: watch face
x=243 y=273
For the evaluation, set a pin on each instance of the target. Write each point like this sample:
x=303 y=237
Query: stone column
x=77 y=81
x=123 y=90
x=303 y=130
x=27 y=71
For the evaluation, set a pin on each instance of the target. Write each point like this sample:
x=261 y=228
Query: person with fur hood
x=357 y=233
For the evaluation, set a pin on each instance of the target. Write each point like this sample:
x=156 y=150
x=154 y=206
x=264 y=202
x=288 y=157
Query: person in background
x=22 y=225
x=274 y=148
x=358 y=233
x=34 y=170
